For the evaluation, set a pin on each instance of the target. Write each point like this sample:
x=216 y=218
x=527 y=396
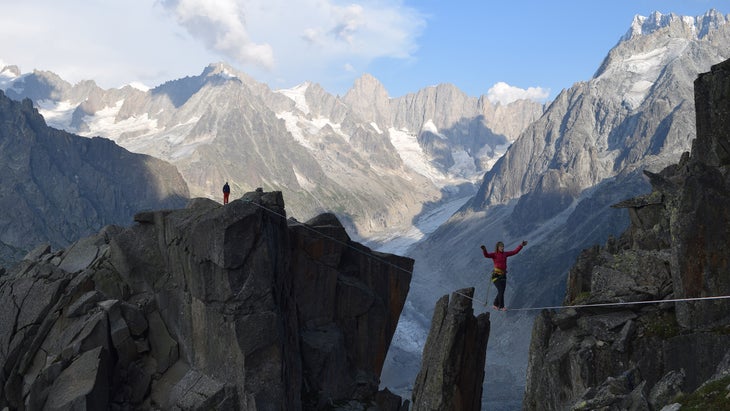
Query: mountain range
x=545 y=173
x=373 y=160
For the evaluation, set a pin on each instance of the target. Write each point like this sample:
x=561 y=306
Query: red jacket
x=500 y=259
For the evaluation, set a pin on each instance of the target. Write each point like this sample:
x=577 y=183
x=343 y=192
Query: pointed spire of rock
x=452 y=369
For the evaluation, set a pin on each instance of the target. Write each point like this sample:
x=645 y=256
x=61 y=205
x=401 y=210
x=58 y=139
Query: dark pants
x=501 y=284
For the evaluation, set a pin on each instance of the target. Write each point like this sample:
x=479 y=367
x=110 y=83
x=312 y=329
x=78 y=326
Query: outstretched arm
x=486 y=253
x=516 y=250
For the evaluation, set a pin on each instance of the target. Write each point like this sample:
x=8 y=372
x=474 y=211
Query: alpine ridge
x=371 y=159
x=56 y=187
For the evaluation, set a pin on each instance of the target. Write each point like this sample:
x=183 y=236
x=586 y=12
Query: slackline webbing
x=554 y=307
x=672 y=300
x=342 y=243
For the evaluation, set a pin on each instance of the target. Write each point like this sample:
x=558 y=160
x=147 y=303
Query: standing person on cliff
x=226 y=192
x=499 y=273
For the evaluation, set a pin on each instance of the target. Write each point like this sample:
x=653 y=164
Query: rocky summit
x=452 y=371
x=649 y=327
x=206 y=307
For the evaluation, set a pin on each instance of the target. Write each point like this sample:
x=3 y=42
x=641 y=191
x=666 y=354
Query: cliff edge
x=649 y=325
x=207 y=307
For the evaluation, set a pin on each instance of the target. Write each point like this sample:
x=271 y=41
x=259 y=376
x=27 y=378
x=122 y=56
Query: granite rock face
x=207 y=307
x=641 y=356
x=57 y=187
x=452 y=371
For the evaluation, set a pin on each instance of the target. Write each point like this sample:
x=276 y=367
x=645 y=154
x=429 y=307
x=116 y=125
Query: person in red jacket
x=226 y=192
x=499 y=273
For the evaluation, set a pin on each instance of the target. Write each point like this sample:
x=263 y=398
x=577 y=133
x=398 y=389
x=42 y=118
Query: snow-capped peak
x=139 y=86
x=297 y=93
x=221 y=70
x=643 y=25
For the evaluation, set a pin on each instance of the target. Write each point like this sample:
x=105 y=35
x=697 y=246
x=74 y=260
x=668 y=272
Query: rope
x=554 y=307
x=673 y=300
x=342 y=243
x=358 y=250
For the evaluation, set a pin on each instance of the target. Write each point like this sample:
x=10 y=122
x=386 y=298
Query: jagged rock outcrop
x=207 y=307
x=642 y=356
x=57 y=187
x=452 y=369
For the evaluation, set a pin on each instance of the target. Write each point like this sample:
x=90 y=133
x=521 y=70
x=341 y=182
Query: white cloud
x=112 y=43
x=503 y=93
x=279 y=42
x=286 y=42
x=220 y=25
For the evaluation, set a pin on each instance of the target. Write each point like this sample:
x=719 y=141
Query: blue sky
x=536 y=47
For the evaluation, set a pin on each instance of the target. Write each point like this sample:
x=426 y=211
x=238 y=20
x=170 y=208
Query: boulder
x=84 y=384
x=668 y=388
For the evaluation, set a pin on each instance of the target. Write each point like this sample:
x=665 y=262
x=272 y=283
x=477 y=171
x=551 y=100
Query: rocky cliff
x=206 y=307
x=57 y=187
x=634 y=353
x=452 y=369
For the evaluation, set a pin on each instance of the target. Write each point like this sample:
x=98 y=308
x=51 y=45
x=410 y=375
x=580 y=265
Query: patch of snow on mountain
x=647 y=67
x=139 y=86
x=57 y=114
x=187 y=147
x=292 y=125
x=297 y=95
x=227 y=74
x=376 y=128
x=637 y=93
x=464 y=166
x=171 y=144
x=322 y=122
x=640 y=71
x=645 y=63
x=431 y=127
x=301 y=127
x=427 y=222
x=412 y=154
x=104 y=123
